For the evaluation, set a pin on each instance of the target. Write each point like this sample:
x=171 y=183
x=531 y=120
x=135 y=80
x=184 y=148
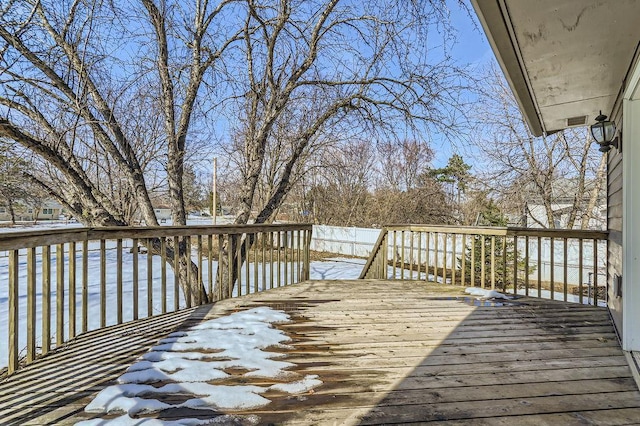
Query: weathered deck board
x=387 y=352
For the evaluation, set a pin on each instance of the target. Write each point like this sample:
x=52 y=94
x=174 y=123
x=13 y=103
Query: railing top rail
x=502 y=231
x=26 y=239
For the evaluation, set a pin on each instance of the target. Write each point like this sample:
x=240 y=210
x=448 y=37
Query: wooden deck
x=387 y=352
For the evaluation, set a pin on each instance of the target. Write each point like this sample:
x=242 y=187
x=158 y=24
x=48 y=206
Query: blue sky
x=472 y=48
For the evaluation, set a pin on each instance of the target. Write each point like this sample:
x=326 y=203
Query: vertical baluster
x=385 y=255
x=307 y=257
x=454 y=259
x=402 y=261
x=149 y=277
x=59 y=294
x=427 y=245
x=230 y=283
x=472 y=265
x=436 y=239
x=263 y=258
x=539 y=267
x=395 y=251
x=278 y=282
x=270 y=259
x=220 y=293
x=119 y=280
x=552 y=272
x=444 y=258
x=189 y=272
x=526 y=265
x=419 y=260
x=238 y=240
x=483 y=275
x=299 y=253
x=493 y=262
x=286 y=251
x=515 y=264
x=504 y=263
x=463 y=259
x=176 y=273
x=46 y=299
x=255 y=263
x=565 y=270
x=595 y=272
x=199 y=300
x=411 y=257
x=210 y=264
x=13 y=311
x=580 y=272
x=31 y=304
x=135 y=277
x=292 y=259
x=85 y=286
x=72 y=290
x=163 y=274
x=247 y=248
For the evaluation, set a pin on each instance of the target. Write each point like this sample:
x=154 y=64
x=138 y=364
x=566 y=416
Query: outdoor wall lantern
x=603 y=132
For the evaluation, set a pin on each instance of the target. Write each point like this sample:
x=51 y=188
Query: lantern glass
x=603 y=132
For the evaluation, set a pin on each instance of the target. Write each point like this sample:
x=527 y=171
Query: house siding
x=614 y=226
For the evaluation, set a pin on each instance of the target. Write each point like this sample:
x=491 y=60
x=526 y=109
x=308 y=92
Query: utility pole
x=214 y=198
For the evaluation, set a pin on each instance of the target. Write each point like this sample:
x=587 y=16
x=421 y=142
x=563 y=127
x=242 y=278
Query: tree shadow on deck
x=60 y=384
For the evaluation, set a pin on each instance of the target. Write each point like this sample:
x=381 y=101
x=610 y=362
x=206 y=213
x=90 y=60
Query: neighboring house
x=24 y=212
x=533 y=213
x=567 y=60
x=163 y=212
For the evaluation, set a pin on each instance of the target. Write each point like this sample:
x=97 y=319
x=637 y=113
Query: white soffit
x=572 y=56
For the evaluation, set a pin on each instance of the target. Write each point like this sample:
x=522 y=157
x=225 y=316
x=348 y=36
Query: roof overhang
x=565 y=60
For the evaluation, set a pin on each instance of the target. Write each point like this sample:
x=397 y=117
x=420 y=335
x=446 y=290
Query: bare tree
x=12 y=188
x=358 y=69
x=98 y=91
x=560 y=173
x=106 y=92
x=403 y=162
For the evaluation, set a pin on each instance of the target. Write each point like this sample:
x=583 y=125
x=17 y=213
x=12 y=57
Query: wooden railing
x=568 y=265
x=56 y=284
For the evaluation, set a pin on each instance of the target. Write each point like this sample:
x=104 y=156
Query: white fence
x=344 y=240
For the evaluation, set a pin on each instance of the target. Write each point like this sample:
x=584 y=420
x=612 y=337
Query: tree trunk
x=12 y=212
